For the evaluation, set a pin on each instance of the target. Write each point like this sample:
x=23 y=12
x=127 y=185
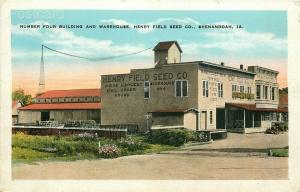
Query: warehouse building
x=198 y=95
x=62 y=106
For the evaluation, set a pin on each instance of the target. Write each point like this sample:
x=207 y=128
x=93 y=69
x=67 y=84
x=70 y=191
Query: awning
x=252 y=107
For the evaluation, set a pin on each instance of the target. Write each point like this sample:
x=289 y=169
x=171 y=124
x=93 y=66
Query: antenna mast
x=42 y=74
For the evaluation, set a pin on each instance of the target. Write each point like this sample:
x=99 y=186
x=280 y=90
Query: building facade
x=197 y=95
x=63 y=106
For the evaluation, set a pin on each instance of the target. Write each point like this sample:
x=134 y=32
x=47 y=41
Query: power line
x=96 y=59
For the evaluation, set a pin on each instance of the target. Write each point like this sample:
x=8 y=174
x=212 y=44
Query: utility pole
x=42 y=74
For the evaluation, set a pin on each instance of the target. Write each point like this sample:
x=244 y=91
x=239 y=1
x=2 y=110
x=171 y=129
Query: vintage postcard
x=107 y=95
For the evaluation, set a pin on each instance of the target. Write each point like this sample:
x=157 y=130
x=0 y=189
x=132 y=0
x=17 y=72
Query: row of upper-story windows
x=266 y=92
x=241 y=92
x=241 y=89
x=205 y=89
x=68 y=100
x=181 y=88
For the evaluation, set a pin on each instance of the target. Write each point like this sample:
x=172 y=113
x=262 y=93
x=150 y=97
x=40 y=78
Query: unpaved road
x=238 y=157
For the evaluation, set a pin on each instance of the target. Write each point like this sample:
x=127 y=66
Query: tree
x=22 y=97
x=283 y=90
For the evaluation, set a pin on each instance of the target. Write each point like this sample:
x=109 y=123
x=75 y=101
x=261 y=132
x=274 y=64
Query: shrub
x=109 y=151
x=279 y=152
x=132 y=145
x=175 y=137
x=65 y=148
x=86 y=146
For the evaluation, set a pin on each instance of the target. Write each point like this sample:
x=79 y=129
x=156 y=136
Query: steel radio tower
x=42 y=74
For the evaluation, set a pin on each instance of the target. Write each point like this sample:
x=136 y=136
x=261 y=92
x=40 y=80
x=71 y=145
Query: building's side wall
x=26 y=116
x=63 y=115
x=167 y=119
x=174 y=54
x=227 y=78
x=190 y=120
x=123 y=95
x=160 y=55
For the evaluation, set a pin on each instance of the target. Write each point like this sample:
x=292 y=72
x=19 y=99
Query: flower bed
x=109 y=151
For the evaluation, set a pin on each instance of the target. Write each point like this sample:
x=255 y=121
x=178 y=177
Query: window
x=184 y=88
x=273 y=93
x=220 y=89
x=248 y=89
x=181 y=88
x=258 y=91
x=205 y=88
x=211 y=117
x=242 y=89
x=178 y=88
x=266 y=92
x=234 y=88
x=146 y=89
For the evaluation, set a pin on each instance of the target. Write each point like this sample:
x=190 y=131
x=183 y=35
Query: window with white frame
x=205 y=88
x=146 y=89
x=266 y=92
x=242 y=89
x=248 y=89
x=220 y=89
x=273 y=93
x=181 y=88
x=211 y=117
x=258 y=92
x=234 y=88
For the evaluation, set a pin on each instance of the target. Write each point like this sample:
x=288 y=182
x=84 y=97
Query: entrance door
x=220 y=118
x=45 y=116
x=203 y=120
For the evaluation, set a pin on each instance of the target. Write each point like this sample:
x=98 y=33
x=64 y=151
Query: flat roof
x=203 y=63
x=227 y=67
x=264 y=68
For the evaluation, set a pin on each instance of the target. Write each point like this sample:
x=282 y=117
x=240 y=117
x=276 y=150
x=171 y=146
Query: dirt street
x=238 y=157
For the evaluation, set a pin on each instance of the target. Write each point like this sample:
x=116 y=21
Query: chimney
x=222 y=63
x=241 y=66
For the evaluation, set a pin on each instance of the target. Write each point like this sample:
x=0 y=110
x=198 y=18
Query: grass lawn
x=280 y=152
x=29 y=148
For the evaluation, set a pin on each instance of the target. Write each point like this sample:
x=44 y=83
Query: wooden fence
x=113 y=132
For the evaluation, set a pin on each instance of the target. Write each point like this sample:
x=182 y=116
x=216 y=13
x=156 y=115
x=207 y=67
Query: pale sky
x=262 y=41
